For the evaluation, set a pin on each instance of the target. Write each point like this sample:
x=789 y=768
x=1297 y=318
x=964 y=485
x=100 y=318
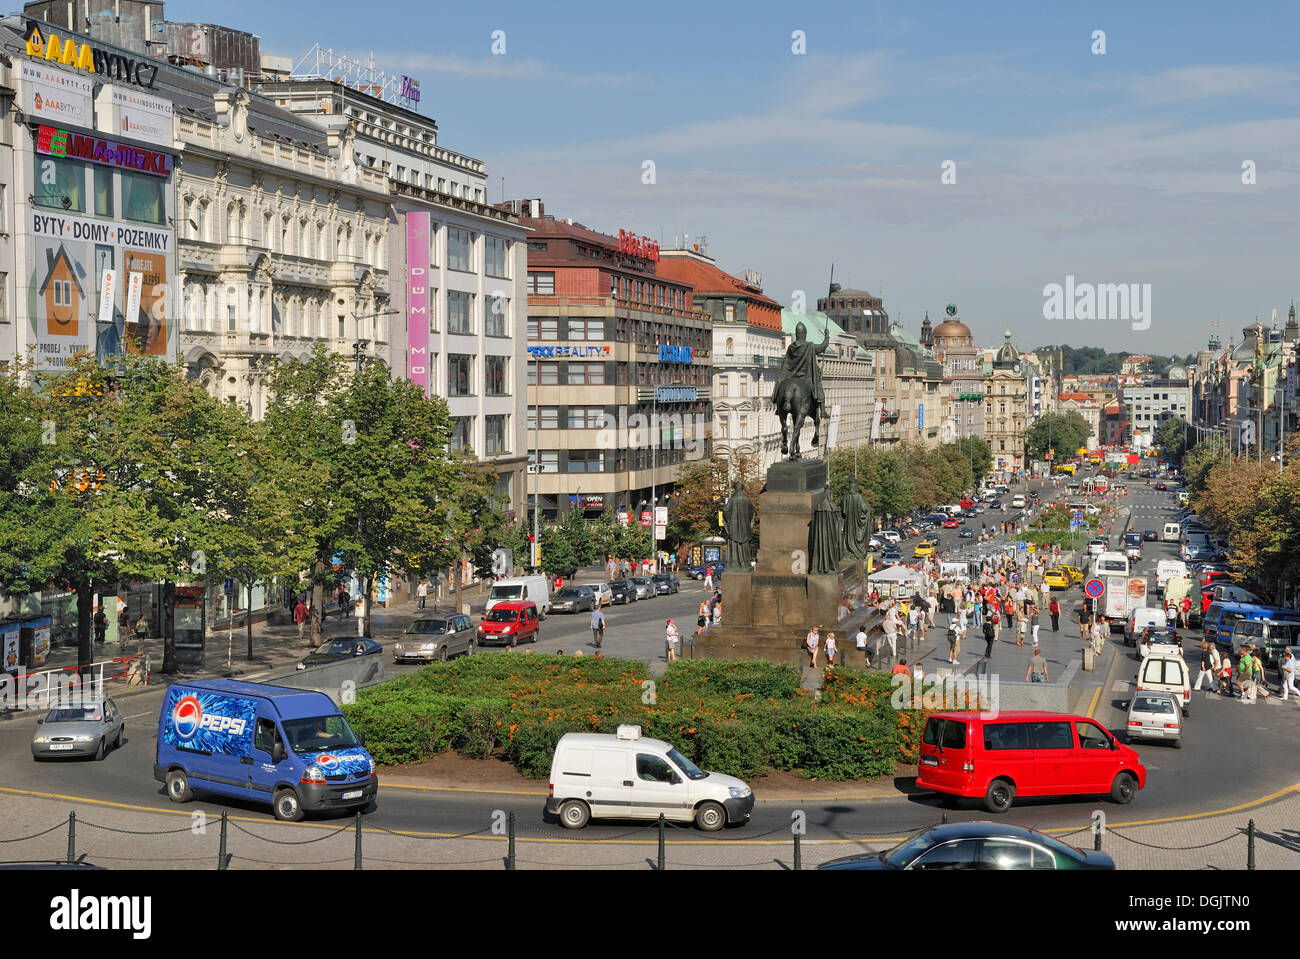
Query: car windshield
x=691 y=770
x=908 y=849
x=506 y=592
x=87 y=714
x=571 y=594
x=499 y=615
x=1161 y=705
x=428 y=626
x=663 y=578
x=641 y=581
x=320 y=734
x=336 y=647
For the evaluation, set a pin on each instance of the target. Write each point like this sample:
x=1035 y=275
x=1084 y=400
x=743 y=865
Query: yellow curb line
x=1096 y=695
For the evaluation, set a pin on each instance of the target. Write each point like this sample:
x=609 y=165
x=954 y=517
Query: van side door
x=1056 y=761
x=1096 y=759
x=659 y=788
x=611 y=783
x=265 y=772
x=1008 y=753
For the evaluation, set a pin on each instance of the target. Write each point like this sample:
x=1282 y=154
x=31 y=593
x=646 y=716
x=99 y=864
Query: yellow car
x=1057 y=579
x=1075 y=574
x=923 y=548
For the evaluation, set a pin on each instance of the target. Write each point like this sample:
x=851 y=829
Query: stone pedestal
x=767 y=612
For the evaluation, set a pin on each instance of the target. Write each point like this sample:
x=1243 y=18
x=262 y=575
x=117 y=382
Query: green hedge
x=740 y=718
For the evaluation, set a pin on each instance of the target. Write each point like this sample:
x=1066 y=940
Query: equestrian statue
x=798 y=392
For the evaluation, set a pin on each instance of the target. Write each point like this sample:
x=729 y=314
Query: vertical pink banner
x=417 y=299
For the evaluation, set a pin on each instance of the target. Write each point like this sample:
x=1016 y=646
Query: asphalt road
x=1233 y=753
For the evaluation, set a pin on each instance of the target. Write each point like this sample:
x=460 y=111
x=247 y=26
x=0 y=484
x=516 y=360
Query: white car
x=874 y=543
x=1153 y=715
x=1096 y=547
x=891 y=537
x=604 y=595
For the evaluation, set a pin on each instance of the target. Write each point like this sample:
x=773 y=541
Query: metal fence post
x=510 y=848
x=72 y=837
x=798 y=856
x=221 y=852
x=1250 y=845
x=661 y=842
x=356 y=855
x=1096 y=840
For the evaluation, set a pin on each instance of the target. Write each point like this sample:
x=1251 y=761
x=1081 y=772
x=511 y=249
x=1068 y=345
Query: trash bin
x=1087 y=659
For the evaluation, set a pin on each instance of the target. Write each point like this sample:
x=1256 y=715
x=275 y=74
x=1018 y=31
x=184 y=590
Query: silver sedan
x=79 y=731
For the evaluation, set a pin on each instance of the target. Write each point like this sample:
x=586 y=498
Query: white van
x=1173 y=532
x=1165 y=674
x=1110 y=563
x=1166 y=569
x=595 y=775
x=518 y=589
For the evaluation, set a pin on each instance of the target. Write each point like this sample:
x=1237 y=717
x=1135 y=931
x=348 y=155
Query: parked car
x=509 y=624
x=1057 y=579
x=337 y=650
x=892 y=538
x=1155 y=715
x=875 y=542
x=976 y=845
x=435 y=638
x=574 y=599
x=604 y=595
x=891 y=556
x=645 y=587
x=666 y=583
x=79 y=731
x=623 y=590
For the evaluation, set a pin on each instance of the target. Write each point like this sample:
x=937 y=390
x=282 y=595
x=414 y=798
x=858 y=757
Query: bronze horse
x=795 y=401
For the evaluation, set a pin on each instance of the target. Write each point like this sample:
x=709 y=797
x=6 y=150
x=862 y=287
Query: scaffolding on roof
x=324 y=64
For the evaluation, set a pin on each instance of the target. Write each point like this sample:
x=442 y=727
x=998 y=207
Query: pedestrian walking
x=892 y=623
x=670 y=641
x=1288 y=675
x=830 y=650
x=860 y=641
x=1225 y=675
x=812 y=643
x=1022 y=628
x=1054 y=609
x=421 y=592
x=597 y=627
x=100 y=622
x=708 y=579
x=990 y=636
x=916 y=620
x=1100 y=630
x=1257 y=673
x=1185 y=612
x=954 y=639
x=1207 y=669
x=703 y=621
x=1245 y=674
x=1037 y=671
x=301 y=616
x=1035 y=614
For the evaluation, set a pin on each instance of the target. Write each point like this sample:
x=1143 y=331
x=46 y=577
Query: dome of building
x=952 y=333
x=1245 y=351
x=1008 y=356
x=1176 y=372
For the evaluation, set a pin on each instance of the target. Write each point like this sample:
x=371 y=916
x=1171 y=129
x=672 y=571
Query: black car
x=1150 y=536
x=624 y=591
x=892 y=555
x=337 y=650
x=966 y=533
x=574 y=599
x=977 y=846
x=666 y=583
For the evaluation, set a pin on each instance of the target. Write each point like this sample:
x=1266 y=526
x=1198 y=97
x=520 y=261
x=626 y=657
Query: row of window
x=602 y=417
x=542 y=282
x=496 y=434
x=559 y=329
x=461 y=370
x=608 y=461
x=78 y=187
x=574 y=373
x=282 y=233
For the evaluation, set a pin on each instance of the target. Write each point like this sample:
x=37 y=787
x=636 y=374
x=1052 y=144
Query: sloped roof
x=708 y=278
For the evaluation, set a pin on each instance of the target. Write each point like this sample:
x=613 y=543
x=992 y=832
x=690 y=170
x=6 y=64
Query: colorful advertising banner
x=74 y=307
x=57 y=142
x=139 y=116
x=55 y=95
x=417 y=299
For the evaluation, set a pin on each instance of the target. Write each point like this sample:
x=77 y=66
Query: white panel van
x=595 y=776
x=519 y=589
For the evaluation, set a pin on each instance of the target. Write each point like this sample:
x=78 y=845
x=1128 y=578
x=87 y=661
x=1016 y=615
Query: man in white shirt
x=892 y=622
x=860 y=641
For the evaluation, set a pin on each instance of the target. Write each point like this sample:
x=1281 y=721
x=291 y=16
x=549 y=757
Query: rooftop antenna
x=830 y=289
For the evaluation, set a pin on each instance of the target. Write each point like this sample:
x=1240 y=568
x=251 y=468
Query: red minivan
x=509 y=624
x=997 y=756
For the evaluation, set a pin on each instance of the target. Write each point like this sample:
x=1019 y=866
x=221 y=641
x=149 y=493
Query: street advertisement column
x=417 y=299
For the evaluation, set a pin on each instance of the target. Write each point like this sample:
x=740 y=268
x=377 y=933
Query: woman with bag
x=1055 y=609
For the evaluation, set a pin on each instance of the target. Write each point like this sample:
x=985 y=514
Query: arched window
x=202 y=220
x=231 y=225
x=322 y=242
x=268 y=231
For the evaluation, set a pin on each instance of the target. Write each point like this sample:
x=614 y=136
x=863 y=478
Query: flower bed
x=740 y=718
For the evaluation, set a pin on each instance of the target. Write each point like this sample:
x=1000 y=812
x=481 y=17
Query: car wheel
x=514 y=640
x=1178 y=743
x=1122 y=790
x=1000 y=795
x=710 y=816
x=575 y=814
x=287 y=807
x=99 y=753
x=442 y=653
x=178 y=786
x=537 y=634
x=121 y=731
x=469 y=649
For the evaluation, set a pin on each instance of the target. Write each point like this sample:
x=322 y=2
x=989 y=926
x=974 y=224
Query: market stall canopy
x=896 y=574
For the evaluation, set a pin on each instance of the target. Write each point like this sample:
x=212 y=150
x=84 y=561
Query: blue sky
x=1117 y=168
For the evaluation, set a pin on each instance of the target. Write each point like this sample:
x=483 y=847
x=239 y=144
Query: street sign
x=1094 y=588
x=230 y=585
x=1022 y=546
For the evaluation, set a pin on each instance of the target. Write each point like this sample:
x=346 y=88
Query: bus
x=1064 y=468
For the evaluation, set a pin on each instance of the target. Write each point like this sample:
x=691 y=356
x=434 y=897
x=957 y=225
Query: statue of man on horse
x=798 y=392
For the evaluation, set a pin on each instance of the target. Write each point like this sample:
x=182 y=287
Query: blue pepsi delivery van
x=291 y=748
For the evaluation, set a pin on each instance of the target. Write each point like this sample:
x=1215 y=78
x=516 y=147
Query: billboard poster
x=417 y=299
x=9 y=636
x=78 y=287
x=55 y=95
x=140 y=116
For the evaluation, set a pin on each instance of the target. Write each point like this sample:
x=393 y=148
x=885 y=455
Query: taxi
x=923 y=548
x=1057 y=579
x=1075 y=574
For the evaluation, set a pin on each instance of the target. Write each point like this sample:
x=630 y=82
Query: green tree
x=1063 y=433
x=569 y=543
x=1175 y=437
x=883 y=479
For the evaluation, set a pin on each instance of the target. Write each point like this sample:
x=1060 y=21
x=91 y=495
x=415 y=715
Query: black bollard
x=661 y=842
x=1250 y=845
x=798 y=857
x=356 y=854
x=510 y=842
x=221 y=850
x=72 y=838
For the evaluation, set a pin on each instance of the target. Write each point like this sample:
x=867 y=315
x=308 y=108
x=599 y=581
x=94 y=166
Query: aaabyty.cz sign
x=85 y=56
